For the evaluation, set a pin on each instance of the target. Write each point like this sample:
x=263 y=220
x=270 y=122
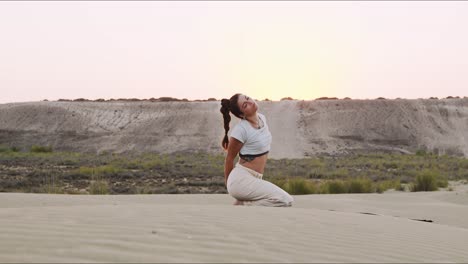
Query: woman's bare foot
x=237 y=202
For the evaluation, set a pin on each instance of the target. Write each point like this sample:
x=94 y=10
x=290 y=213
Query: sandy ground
x=207 y=228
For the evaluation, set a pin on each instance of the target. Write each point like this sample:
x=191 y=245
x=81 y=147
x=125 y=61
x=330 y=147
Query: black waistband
x=251 y=156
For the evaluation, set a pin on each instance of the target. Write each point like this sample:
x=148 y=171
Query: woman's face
x=247 y=105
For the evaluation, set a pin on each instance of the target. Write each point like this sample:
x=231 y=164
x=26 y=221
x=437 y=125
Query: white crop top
x=255 y=141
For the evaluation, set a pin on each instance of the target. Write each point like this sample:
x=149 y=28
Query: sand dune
x=299 y=128
x=207 y=228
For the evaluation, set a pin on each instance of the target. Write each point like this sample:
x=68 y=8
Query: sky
x=213 y=49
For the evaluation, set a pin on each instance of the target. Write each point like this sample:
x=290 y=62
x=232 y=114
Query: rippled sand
x=207 y=228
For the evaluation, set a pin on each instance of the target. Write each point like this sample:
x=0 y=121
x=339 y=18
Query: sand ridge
x=207 y=228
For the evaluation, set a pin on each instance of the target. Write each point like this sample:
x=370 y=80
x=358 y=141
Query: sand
x=207 y=228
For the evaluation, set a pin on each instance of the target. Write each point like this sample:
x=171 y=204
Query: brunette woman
x=251 y=139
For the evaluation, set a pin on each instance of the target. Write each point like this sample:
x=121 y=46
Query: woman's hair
x=229 y=105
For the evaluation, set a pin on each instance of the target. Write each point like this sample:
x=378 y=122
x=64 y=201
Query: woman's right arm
x=232 y=151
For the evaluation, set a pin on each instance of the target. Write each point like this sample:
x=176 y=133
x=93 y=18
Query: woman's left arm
x=232 y=151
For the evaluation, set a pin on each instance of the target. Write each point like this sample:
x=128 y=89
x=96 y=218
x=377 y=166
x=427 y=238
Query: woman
x=251 y=139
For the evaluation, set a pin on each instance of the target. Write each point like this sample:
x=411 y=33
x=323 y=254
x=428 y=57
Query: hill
x=299 y=128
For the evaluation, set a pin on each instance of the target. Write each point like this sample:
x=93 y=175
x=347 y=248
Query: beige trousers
x=247 y=185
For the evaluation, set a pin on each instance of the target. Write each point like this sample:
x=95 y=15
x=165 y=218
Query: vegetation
x=44 y=149
x=8 y=149
x=42 y=170
x=303 y=186
x=327 y=98
x=152 y=99
x=428 y=180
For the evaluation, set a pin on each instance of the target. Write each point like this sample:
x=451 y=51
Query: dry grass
x=64 y=172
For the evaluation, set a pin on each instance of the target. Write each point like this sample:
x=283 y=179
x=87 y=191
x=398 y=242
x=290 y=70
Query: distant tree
x=45 y=100
x=80 y=100
x=267 y=100
x=381 y=98
x=327 y=98
x=347 y=98
x=212 y=99
x=286 y=98
x=433 y=98
x=168 y=99
x=64 y=100
x=100 y=100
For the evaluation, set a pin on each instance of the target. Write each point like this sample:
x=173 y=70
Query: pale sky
x=197 y=50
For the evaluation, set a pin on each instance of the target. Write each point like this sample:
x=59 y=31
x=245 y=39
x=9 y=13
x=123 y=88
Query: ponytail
x=229 y=105
x=225 y=108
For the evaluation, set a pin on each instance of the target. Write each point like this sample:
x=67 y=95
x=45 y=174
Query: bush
x=278 y=182
x=442 y=182
x=427 y=181
x=8 y=149
x=334 y=187
x=298 y=186
x=99 y=187
x=4 y=149
x=41 y=149
x=421 y=152
x=389 y=184
x=15 y=149
x=360 y=186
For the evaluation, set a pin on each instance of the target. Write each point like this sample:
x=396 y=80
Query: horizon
x=174 y=99
x=197 y=50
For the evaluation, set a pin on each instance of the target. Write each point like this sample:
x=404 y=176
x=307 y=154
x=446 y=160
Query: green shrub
x=359 y=186
x=99 y=187
x=280 y=182
x=401 y=187
x=382 y=186
x=426 y=181
x=132 y=165
x=4 y=149
x=390 y=165
x=298 y=186
x=334 y=187
x=322 y=188
x=15 y=149
x=421 y=152
x=53 y=189
x=442 y=182
x=41 y=149
x=338 y=173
